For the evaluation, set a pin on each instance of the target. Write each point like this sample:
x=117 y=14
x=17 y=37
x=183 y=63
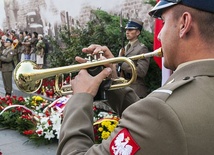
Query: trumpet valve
x=65 y=90
x=100 y=54
x=95 y=58
x=89 y=57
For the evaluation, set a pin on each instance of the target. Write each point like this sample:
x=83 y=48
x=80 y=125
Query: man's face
x=7 y=44
x=169 y=37
x=132 y=35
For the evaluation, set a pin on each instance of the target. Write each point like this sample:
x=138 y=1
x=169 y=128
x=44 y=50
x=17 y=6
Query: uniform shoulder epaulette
x=167 y=90
x=141 y=44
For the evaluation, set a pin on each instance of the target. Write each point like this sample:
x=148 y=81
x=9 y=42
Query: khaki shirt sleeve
x=120 y=99
x=8 y=57
x=151 y=123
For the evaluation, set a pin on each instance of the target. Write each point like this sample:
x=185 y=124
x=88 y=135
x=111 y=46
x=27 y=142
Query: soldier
x=14 y=46
x=134 y=47
x=40 y=51
x=6 y=59
x=20 y=46
x=176 y=119
x=34 y=41
x=27 y=46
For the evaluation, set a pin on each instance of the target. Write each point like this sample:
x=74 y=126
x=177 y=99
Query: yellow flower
x=106 y=123
x=100 y=129
x=105 y=134
x=39 y=98
x=33 y=97
x=33 y=103
x=111 y=128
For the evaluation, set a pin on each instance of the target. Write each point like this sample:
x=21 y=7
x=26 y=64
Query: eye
x=162 y=19
x=163 y=22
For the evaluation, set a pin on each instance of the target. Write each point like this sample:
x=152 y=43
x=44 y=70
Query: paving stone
x=13 y=143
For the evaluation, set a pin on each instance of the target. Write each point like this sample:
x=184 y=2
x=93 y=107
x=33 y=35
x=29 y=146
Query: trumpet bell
x=26 y=83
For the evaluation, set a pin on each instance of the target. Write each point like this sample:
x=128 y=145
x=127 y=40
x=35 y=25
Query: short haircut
x=205 y=21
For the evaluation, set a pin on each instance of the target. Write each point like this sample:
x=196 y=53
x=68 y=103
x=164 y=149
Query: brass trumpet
x=28 y=77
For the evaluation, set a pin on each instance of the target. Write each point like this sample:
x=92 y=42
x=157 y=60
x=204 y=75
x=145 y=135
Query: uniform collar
x=196 y=68
x=189 y=62
x=133 y=42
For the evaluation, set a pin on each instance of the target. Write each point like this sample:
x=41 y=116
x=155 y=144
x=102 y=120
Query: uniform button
x=186 y=78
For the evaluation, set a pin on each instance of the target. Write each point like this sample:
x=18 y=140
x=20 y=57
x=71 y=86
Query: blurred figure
x=20 y=46
x=33 y=41
x=40 y=51
x=27 y=45
x=14 y=46
x=25 y=33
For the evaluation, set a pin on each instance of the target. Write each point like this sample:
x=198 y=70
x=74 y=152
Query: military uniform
x=7 y=65
x=176 y=119
x=141 y=67
x=135 y=48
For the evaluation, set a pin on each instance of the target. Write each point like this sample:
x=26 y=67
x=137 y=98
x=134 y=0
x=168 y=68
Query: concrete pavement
x=12 y=142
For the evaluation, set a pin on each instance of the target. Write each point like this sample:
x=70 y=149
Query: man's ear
x=185 y=24
x=138 y=33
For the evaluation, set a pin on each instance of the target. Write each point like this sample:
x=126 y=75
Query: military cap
x=9 y=40
x=134 y=24
x=203 y=5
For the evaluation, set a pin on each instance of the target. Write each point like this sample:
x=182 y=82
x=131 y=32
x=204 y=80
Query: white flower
x=56 y=121
x=49 y=134
x=44 y=122
x=49 y=125
x=57 y=133
x=103 y=114
x=38 y=107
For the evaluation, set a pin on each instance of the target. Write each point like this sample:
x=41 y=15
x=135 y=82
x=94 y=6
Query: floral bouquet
x=104 y=123
x=32 y=117
x=40 y=119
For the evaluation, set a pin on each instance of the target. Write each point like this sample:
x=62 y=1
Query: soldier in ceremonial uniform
x=14 y=46
x=134 y=47
x=6 y=58
x=176 y=119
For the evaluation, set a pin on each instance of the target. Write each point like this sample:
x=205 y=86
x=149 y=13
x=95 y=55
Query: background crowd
x=15 y=48
x=26 y=46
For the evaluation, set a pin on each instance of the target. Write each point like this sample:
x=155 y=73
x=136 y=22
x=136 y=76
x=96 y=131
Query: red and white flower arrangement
x=40 y=119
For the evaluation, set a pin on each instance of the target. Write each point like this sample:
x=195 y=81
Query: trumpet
x=28 y=77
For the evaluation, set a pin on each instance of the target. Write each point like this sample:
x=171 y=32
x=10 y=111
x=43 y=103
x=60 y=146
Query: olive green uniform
x=176 y=119
x=142 y=66
x=7 y=67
